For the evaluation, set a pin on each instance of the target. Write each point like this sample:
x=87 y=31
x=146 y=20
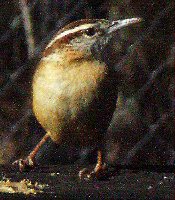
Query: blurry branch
x=164 y=119
x=13 y=78
x=13 y=128
x=154 y=75
x=148 y=137
x=155 y=23
x=27 y=27
x=168 y=64
x=45 y=16
x=37 y=52
x=16 y=22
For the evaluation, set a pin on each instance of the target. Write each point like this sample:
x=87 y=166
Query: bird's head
x=80 y=36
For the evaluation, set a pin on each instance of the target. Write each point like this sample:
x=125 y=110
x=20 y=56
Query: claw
x=97 y=173
x=23 y=165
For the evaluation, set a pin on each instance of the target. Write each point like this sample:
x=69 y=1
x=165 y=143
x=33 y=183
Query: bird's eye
x=90 y=32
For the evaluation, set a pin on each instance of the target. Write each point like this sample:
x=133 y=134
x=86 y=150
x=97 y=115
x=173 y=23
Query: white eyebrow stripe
x=74 y=30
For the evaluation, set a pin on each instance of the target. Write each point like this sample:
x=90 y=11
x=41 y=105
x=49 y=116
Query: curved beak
x=116 y=25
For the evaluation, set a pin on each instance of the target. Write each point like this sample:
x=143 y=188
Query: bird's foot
x=24 y=165
x=100 y=172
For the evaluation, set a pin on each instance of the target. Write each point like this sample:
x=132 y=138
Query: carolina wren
x=74 y=93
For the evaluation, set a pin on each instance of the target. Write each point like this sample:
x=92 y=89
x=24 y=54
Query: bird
x=74 y=90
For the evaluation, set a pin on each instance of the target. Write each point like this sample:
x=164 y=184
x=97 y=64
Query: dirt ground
x=62 y=182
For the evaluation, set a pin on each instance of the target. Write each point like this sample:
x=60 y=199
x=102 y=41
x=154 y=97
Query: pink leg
x=30 y=160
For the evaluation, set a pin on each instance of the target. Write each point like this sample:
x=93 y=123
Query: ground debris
x=24 y=186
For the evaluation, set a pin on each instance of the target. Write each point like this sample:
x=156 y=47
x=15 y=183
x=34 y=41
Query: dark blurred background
x=142 y=128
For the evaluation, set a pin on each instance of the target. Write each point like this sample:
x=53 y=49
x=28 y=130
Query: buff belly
x=63 y=102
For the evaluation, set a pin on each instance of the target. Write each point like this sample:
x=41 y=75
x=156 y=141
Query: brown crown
x=67 y=38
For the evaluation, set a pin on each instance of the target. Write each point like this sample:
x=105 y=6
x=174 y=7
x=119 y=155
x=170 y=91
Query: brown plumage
x=74 y=94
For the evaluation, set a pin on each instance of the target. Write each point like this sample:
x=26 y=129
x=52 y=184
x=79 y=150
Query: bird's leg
x=29 y=162
x=98 y=171
x=100 y=166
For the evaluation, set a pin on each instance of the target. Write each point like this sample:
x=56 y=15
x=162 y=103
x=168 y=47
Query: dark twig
x=154 y=75
x=27 y=23
x=37 y=52
x=15 y=127
x=143 y=36
x=147 y=138
x=16 y=22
